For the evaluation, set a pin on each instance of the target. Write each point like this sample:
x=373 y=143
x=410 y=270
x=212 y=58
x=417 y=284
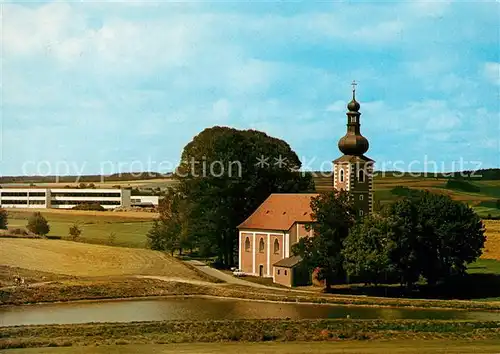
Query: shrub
x=3 y=219
x=94 y=206
x=38 y=224
x=112 y=238
x=75 y=232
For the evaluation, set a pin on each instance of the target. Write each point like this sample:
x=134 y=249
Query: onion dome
x=353 y=144
x=353 y=106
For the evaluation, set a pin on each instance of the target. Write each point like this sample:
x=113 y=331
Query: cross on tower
x=354 y=84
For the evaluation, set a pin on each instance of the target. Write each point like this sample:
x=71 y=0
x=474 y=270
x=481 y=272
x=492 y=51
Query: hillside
x=483 y=199
x=80 y=259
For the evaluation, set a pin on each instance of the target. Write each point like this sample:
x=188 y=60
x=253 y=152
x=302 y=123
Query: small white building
x=144 y=201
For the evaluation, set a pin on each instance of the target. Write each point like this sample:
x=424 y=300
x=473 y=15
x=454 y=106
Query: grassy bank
x=242 y=331
x=129 y=287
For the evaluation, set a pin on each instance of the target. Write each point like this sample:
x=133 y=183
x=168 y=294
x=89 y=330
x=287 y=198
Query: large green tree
x=435 y=237
x=367 y=249
x=334 y=216
x=224 y=175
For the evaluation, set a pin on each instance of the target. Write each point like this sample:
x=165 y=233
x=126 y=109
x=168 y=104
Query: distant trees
x=3 y=218
x=93 y=206
x=462 y=185
x=334 y=215
x=38 y=224
x=225 y=174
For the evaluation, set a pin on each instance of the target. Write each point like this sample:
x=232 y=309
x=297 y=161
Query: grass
x=129 y=231
x=244 y=331
x=79 y=259
x=339 y=347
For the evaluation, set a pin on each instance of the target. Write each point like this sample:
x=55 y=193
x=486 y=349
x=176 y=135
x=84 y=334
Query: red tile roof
x=280 y=212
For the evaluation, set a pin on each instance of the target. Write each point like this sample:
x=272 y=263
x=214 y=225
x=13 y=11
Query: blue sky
x=104 y=87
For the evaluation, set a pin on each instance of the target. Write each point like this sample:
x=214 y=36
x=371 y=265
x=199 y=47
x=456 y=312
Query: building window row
x=14 y=202
x=81 y=194
x=14 y=194
x=37 y=202
x=75 y=202
x=37 y=194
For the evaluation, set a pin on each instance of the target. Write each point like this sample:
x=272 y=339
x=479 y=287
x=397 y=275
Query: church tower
x=353 y=171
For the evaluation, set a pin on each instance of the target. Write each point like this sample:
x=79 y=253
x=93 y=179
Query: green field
x=372 y=347
x=129 y=232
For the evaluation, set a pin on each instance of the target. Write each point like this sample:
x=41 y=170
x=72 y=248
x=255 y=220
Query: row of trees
x=422 y=236
x=224 y=176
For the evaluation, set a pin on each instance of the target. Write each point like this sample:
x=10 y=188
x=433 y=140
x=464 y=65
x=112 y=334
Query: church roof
x=280 y=211
x=353 y=159
x=288 y=262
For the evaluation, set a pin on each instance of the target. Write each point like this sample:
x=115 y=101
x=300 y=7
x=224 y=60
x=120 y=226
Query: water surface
x=212 y=309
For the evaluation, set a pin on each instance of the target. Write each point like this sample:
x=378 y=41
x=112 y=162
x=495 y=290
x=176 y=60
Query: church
x=266 y=237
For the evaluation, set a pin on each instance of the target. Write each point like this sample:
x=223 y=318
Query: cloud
x=491 y=71
x=140 y=79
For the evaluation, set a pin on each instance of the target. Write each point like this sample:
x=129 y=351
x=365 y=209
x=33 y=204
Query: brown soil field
x=80 y=259
x=492 y=245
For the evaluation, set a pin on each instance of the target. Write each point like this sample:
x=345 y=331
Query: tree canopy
x=224 y=175
x=425 y=235
x=334 y=216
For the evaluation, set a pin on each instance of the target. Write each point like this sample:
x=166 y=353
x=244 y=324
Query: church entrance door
x=261 y=270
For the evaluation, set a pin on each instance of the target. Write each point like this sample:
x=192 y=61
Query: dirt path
x=229 y=279
x=179 y=280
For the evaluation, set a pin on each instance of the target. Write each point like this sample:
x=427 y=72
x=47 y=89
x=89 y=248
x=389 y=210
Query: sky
x=91 y=87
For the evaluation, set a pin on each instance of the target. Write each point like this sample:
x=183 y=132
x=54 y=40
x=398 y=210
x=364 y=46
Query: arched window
x=247 y=245
x=261 y=245
x=361 y=197
x=361 y=213
x=341 y=175
x=361 y=176
x=276 y=246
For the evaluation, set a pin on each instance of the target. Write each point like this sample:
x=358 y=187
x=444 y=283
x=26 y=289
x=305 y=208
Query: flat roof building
x=67 y=198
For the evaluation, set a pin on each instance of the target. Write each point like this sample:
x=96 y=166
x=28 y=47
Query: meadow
x=415 y=346
x=127 y=229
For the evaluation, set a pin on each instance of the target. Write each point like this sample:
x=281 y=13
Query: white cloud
x=491 y=71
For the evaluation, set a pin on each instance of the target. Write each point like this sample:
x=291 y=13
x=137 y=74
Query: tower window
x=361 y=213
x=261 y=245
x=341 y=175
x=361 y=197
x=361 y=175
x=353 y=119
x=247 y=245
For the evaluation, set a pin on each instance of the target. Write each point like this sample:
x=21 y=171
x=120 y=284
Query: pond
x=211 y=309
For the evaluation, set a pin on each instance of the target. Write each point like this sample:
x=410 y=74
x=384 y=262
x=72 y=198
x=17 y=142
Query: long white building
x=66 y=198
